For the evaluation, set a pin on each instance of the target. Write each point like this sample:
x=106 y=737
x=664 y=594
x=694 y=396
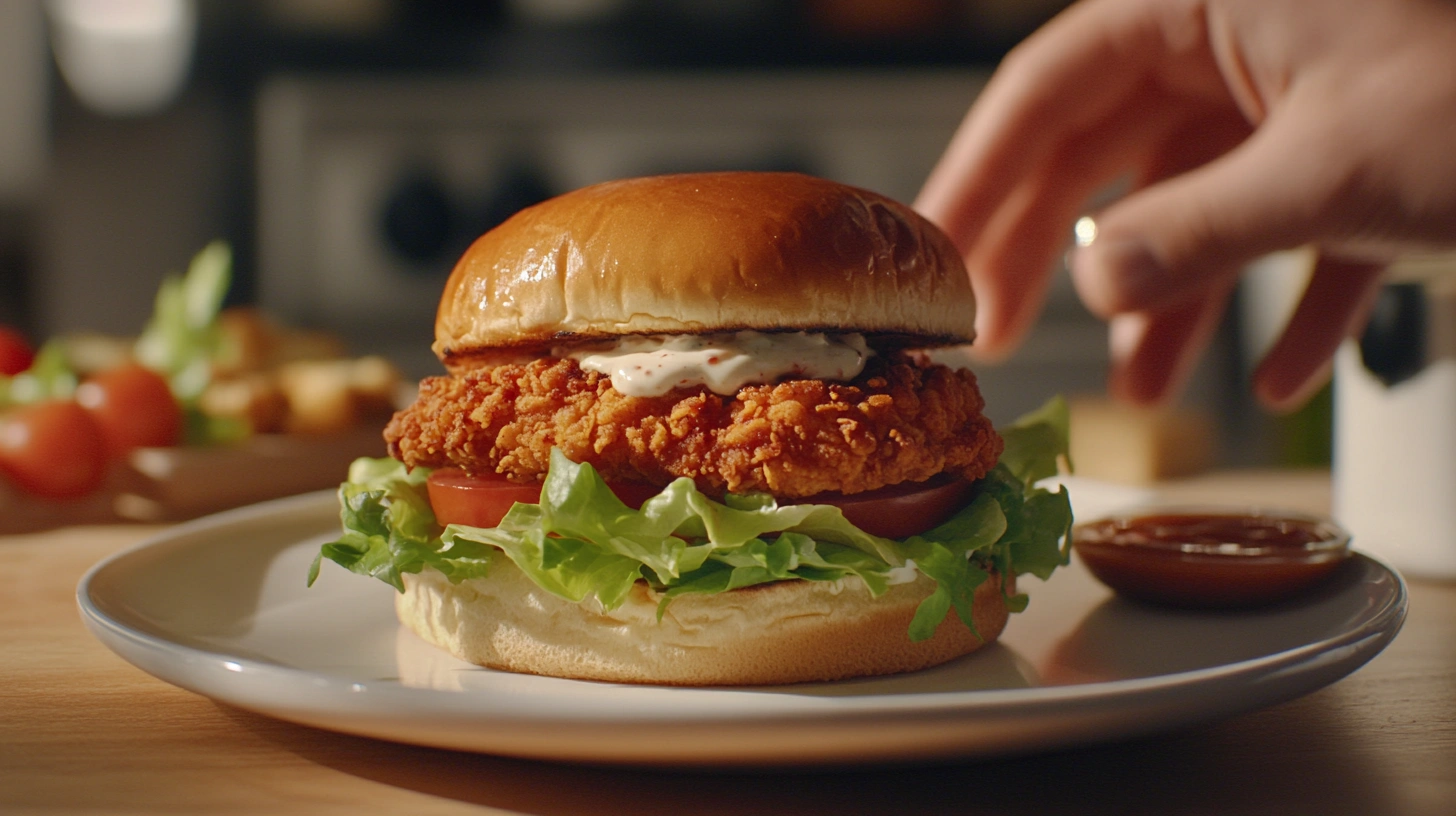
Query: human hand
x=1245 y=127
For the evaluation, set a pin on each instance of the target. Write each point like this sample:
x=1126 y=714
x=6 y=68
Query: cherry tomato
x=134 y=408
x=52 y=449
x=902 y=510
x=482 y=501
x=16 y=355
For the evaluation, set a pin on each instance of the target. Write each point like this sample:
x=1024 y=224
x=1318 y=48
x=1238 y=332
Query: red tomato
x=458 y=498
x=482 y=501
x=898 y=511
x=902 y=510
x=52 y=449
x=134 y=407
x=16 y=355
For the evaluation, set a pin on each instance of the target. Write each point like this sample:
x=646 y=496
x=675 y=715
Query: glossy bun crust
x=700 y=253
x=784 y=632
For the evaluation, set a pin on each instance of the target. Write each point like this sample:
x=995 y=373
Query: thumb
x=1181 y=236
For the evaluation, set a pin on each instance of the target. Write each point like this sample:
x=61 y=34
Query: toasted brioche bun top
x=705 y=252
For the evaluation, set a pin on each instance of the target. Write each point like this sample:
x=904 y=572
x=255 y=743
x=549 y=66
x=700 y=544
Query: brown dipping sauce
x=1211 y=559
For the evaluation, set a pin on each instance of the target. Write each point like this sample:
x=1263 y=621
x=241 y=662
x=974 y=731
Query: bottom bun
x=784 y=632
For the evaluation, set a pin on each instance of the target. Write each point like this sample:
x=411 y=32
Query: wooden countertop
x=83 y=731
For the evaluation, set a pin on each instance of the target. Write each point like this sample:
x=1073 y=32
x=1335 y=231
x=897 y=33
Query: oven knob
x=418 y=220
x=522 y=185
x=1393 y=345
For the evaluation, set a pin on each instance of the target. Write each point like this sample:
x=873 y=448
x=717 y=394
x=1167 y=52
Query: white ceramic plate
x=219 y=606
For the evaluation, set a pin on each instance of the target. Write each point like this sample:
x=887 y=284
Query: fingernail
x=1124 y=332
x=1287 y=397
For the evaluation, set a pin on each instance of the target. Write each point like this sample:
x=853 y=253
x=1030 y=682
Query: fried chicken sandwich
x=690 y=435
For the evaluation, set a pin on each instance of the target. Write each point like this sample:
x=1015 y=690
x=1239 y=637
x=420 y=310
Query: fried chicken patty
x=899 y=421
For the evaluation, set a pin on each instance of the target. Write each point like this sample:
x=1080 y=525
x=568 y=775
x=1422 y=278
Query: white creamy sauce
x=903 y=575
x=652 y=365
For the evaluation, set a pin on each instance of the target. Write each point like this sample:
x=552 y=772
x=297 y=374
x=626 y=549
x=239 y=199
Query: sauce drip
x=1211 y=559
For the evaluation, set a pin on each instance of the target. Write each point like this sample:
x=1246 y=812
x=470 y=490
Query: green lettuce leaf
x=956 y=580
x=582 y=542
x=1035 y=442
x=389 y=528
x=944 y=554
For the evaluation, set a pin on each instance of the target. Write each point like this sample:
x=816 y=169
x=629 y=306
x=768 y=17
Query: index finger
x=1074 y=71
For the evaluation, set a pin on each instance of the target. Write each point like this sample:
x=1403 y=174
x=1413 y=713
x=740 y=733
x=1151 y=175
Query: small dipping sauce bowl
x=1210 y=558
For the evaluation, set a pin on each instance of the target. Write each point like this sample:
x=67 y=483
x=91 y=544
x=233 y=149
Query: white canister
x=1395 y=423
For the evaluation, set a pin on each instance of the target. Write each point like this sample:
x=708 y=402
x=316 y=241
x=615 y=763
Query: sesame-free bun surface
x=785 y=632
x=705 y=252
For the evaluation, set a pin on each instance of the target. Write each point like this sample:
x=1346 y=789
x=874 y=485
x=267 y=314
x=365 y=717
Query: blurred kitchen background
x=350 y=149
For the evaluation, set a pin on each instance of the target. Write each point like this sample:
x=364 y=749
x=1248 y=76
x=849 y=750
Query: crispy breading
x=898 y=421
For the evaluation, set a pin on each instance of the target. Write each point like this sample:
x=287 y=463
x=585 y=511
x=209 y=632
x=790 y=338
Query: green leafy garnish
x=182 y=336
x=582 y=542
x=183 y=339
x=49 y=377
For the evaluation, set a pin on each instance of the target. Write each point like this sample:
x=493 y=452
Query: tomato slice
x=482 y=501
x=476 y=501
x=902 y=510
x=897 y=511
